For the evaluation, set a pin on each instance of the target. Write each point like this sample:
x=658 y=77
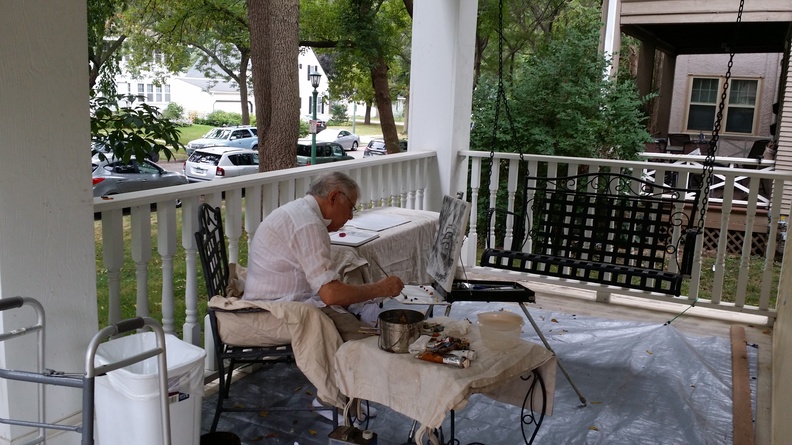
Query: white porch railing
x=399 y=180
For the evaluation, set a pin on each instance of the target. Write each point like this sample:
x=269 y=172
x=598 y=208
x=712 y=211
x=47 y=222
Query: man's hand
x=391 y=286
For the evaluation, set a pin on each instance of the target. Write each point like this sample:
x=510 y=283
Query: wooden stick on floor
x=741 y=390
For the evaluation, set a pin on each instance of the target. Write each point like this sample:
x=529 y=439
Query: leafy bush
x=338 y=113
x=173 y=111
x=303 y=128
x=129 y=130
x=220 y=118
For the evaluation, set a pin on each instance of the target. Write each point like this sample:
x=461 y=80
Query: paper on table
x=376 y=221
x=352 y=238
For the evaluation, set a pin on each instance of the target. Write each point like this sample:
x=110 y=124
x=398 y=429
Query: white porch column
x=441 y=89
x=610 y=35
x=782 y=330
x=46 y=211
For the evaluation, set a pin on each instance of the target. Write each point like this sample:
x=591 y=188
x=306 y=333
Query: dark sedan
x=376 y=147
x=325 y=152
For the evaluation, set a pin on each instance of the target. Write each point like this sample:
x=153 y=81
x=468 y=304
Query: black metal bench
x=605 y=228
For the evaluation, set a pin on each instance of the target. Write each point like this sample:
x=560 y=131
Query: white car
x=208 y=164
x=347 y=139
x=243 y=136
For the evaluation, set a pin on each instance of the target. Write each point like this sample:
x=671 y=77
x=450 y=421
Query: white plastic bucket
x=500 y=330
x=127 y=400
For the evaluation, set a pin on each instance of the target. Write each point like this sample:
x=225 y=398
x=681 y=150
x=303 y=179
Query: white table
x=401 y=251
x=427 y=391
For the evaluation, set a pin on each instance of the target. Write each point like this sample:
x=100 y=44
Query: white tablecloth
x=401 y=251
x=426 y=391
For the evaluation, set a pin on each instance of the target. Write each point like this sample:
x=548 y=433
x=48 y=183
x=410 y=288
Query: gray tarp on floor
x=645 y=383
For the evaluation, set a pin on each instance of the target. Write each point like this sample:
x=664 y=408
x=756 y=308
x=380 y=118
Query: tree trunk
x=406 y=127
x=379 y=78
x=367 y=118
x=243 y=87
x=274 y=49
x=481 y=45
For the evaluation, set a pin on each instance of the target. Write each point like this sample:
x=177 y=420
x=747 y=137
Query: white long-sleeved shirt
x=289 y=257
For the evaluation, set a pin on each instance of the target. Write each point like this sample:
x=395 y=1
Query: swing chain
x=709 y=162
x=500 y=95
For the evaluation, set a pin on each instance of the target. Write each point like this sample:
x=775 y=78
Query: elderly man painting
x=290 y=274
x=289 y=256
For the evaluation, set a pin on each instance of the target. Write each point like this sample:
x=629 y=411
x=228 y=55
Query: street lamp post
x=314 y=76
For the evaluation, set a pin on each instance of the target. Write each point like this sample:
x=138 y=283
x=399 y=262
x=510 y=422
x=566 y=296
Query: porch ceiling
x=709 y=38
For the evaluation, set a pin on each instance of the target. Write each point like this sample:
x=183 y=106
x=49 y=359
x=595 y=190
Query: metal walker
x=43 y=376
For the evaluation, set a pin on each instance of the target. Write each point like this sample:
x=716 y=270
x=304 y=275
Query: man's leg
x=346 y=323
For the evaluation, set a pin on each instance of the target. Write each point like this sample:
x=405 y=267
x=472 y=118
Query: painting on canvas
x=444 y=257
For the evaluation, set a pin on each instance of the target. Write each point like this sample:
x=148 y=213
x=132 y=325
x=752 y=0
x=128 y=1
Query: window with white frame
x=148 y=92
x=739 y=114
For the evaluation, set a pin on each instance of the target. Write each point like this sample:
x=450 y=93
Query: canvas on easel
x=443 y=259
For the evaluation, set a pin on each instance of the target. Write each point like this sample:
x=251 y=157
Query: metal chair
x=210 y=239
x=756 y=154
x=676 y=142
x=757 y=149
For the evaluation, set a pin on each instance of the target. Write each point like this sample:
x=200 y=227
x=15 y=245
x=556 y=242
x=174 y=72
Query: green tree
x=126 y=129
x=365 y=34
x=212 y=35
x=524 y=26
x=560 y=103
x=105 y=39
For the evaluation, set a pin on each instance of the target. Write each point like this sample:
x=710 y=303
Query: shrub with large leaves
x=132 y=130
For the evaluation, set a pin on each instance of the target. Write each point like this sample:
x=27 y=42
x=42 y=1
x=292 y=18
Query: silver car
x=243 y=136
x=347 y=139
x=208 y=164
x=113 y=176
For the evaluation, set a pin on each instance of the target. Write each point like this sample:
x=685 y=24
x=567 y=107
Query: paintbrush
x=386 y=274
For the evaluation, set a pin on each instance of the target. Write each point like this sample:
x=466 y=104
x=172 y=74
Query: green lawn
x=192 y=132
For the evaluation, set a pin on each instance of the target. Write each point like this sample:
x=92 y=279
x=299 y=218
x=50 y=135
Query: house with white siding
x=200 y=95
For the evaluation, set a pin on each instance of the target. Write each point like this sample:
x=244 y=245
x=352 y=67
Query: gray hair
x=332 y=181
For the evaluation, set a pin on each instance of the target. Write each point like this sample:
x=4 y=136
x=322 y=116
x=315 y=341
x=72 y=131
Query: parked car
x=347 y=139
x=320 y=124
x=112 y=176
x=242 y=136
x=376 y=147
x=100 y=147
x=325 y=152
x=208 y=164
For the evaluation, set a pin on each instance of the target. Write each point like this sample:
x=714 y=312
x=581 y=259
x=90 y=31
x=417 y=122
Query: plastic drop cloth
x=645 y=383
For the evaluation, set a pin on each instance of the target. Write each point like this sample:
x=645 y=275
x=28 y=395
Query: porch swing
x=613 y=229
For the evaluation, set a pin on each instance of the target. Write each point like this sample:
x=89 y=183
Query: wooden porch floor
x=696 y=321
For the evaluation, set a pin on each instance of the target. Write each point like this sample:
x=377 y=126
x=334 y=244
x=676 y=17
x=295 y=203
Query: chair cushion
x=252 y=329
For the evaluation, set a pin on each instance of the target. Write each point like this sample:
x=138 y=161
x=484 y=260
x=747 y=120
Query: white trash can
x=127 y=400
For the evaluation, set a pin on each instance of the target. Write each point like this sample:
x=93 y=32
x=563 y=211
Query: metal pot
x=398 y=329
